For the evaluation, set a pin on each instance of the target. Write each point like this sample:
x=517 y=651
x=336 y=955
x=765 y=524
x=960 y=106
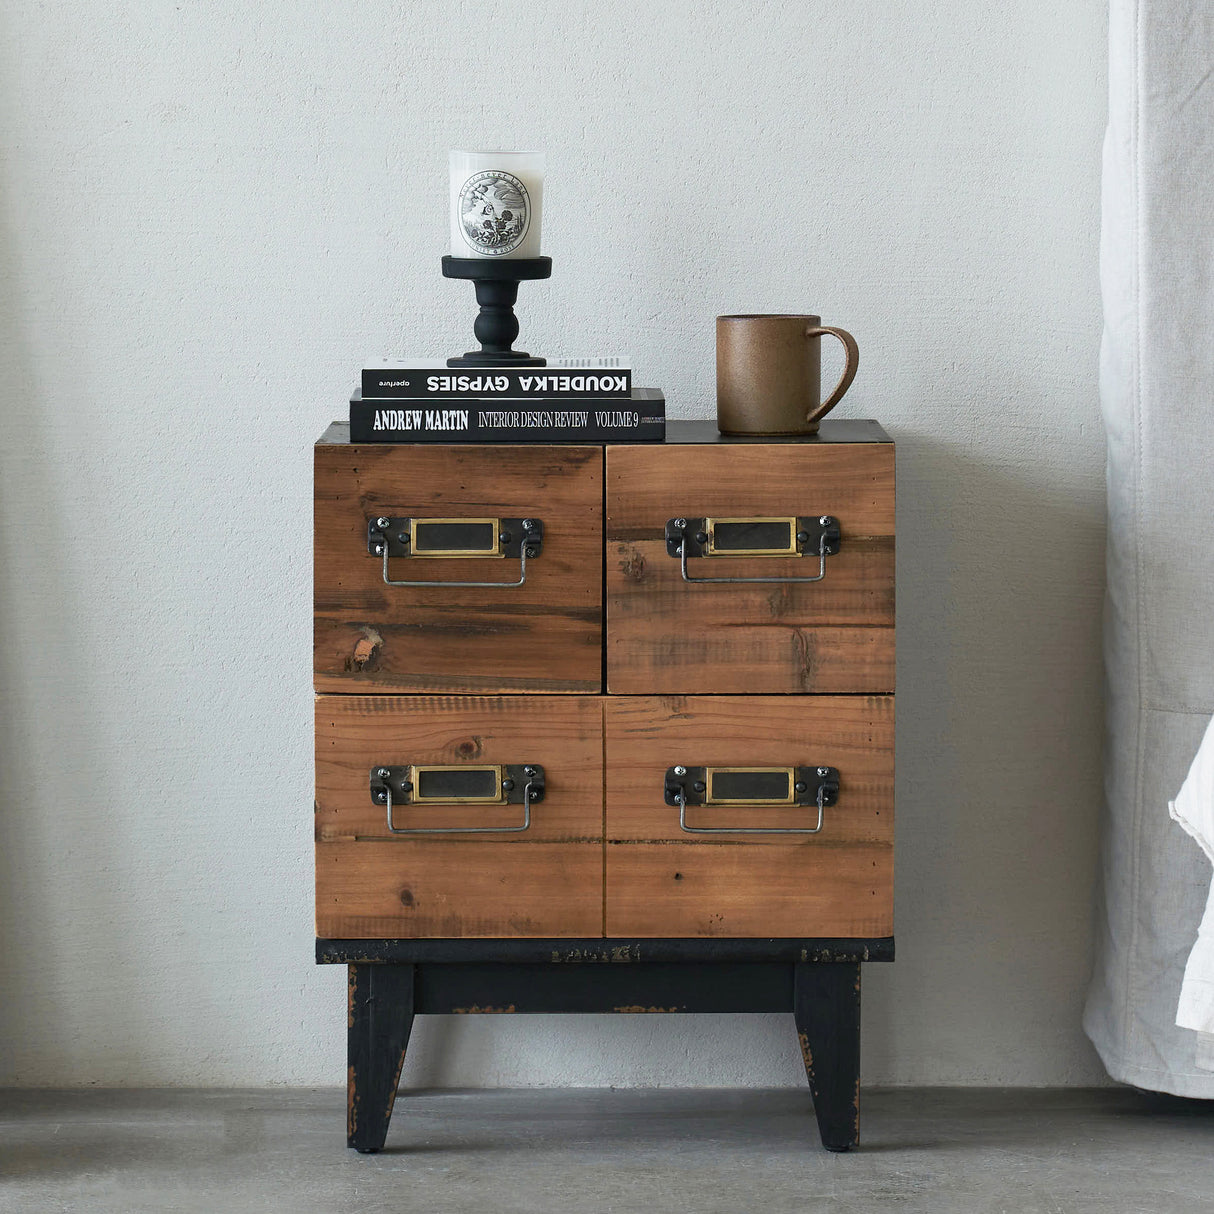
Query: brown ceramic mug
x=769 y=374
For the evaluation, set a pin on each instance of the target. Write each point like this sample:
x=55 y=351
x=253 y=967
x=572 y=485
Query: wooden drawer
x=545 y=881
x=542 y=636
x=833 y=635
x=663 y=882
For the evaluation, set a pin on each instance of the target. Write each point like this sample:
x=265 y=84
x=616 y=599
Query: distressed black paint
x=826 y=1006
x=381 y=1017
x=811 y=979
x=615 y=950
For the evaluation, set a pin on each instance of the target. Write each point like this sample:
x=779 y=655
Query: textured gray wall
x=213 y=212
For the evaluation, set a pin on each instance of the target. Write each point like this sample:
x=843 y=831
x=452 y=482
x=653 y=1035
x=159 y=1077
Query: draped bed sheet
x=1157 y=397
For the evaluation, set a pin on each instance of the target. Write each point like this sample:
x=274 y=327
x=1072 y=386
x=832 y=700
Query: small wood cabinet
x=605 y=729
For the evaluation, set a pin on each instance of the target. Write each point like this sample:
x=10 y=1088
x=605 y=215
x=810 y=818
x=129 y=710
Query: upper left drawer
x=448 y=509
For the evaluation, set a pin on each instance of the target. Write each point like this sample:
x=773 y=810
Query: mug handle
x=849 y=369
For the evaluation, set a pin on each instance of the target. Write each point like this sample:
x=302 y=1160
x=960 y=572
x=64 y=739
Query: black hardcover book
x=429 y=379
x=638 y=418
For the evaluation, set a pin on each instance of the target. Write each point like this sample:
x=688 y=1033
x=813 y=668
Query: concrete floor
x=699 y=1152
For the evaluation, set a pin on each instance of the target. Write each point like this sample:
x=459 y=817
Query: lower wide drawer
x=837 y=881
x=607 y=847
x=492 y=881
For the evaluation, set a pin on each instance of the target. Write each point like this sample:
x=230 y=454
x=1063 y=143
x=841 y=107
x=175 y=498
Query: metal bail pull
x=751 y=787
x=753 y=537
x=454 y=538
x=458 y=784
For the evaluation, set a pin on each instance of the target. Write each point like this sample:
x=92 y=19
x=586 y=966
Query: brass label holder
x=753 y=536
x=391 y=536
x=454 y=538
x=468 y=784
x=754 y=788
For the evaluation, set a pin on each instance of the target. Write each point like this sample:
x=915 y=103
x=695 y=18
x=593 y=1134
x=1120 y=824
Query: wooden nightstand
x=606 y=729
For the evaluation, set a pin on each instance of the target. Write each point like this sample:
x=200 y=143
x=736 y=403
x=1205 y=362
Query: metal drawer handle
x=788 y=536
x=458 y=784
x=454 y=538
x=751 y=786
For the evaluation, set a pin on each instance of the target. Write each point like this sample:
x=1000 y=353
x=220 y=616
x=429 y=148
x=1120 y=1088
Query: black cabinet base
x=392 y=981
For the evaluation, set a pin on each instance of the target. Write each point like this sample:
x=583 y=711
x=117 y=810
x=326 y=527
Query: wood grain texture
x=664 y=882
x=563 y=733
x=543 y=636
x=544 y=881
x=665 y=635
x=458 y=889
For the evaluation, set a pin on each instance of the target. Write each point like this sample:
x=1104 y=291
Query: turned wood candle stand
x=496 y=325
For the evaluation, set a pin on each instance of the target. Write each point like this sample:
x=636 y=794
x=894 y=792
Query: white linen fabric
x=1194 y=810
x=1156 y=386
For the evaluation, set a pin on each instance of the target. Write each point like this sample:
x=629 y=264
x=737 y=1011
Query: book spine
x=487 y=422
x=406 y=383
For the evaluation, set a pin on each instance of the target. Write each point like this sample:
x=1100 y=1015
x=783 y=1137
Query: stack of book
x=417 y=400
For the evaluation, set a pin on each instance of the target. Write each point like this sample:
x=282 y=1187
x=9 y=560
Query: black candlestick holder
x=496 y=325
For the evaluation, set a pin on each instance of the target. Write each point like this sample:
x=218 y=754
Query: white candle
x=496 y=199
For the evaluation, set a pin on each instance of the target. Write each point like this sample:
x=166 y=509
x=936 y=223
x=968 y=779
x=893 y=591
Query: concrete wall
x=211 y=213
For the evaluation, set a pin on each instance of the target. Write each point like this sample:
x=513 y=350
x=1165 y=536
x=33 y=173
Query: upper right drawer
x=753 y=567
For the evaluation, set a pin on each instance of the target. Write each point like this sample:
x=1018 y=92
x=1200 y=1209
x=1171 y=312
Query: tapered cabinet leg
x=381 y=1016
x=826 y=1005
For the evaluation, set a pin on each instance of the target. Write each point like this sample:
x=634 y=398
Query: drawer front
x=666 y=634
x=546 y=880
x=542 y=636
x=664 y=881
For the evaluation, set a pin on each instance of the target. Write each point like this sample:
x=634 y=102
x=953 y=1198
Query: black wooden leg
x=381 y=1015
x=826 y=1005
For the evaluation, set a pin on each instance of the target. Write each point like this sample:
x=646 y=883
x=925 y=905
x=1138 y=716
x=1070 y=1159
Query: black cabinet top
x=833 y=430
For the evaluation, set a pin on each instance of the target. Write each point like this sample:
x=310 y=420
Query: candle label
x=494 y=212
